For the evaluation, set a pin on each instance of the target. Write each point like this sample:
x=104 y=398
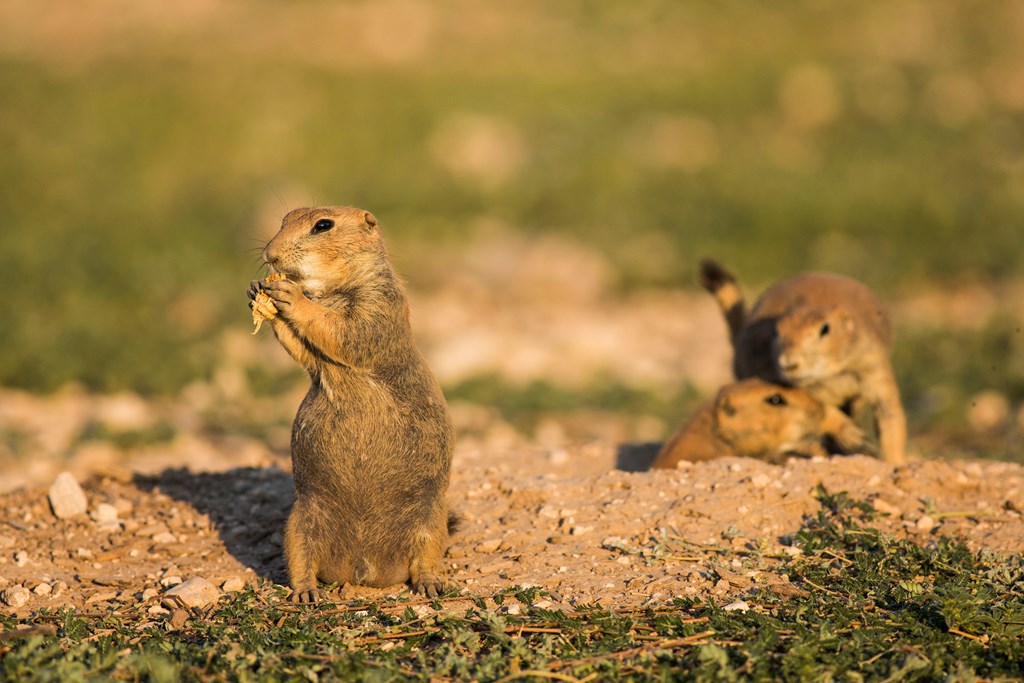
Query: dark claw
x=306 y=597
x=430 y=588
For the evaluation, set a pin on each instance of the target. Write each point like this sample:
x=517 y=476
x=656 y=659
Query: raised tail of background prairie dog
x=758 y=419
x=372 y=440
x=721 y=284
x=825 y=333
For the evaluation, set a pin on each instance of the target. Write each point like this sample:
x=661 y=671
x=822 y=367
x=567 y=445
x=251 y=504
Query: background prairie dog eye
x=824 y=330
x=776 y=400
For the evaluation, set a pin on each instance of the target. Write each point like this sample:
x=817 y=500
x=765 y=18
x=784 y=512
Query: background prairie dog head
x=324 y=248
x=812 y=343
x=759 y=419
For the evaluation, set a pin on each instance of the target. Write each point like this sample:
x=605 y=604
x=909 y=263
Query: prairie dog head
x=325 y=248
x=758 y=418
x=814 y=343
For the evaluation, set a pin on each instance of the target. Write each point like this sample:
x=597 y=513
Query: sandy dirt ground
x=568 y=520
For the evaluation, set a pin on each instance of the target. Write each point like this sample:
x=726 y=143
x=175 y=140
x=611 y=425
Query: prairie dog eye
x=824 y=330
x=776 y=400
x=322 y=225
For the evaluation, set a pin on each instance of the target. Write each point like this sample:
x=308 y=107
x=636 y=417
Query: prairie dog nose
x=270 y=256
x=787 y=364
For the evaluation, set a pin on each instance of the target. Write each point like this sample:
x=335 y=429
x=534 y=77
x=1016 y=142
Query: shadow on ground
x=247 y=506
x=636 y=457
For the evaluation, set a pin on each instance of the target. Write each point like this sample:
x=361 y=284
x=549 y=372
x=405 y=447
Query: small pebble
x=67 y=498
x=104 y=514
x=885 y=507
x=490 y=546
x=102 y=596
x=178 y=618
x=738 y=606
x=42 y=589
x=233 y=585
x=196 y=592
x=760 y=480
x=15 y=596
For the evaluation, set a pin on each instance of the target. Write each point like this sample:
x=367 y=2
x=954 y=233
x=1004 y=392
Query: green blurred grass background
x=148 y=152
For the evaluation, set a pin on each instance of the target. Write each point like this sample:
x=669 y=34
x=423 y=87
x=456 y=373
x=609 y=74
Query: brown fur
x=372 y=440
x=827 y=334
x=754 y=418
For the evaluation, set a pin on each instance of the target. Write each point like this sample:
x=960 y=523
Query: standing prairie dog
x=827 y=334
x=372 y=440
x=754 y=418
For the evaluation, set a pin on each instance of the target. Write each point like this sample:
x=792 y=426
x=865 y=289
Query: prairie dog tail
x=722 y=285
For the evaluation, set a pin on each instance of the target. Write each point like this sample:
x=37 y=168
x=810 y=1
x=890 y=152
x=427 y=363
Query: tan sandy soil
x=565 y=520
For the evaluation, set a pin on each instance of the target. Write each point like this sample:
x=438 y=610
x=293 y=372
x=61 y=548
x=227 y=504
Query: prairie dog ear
x=369 y=219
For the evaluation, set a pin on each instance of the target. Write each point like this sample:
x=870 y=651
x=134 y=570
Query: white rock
x=42 y=589
x=165 y=537
x=760 y=480
x=738 y=606
x=169 y=581
x=15 y=596
x=104 y=513
x=196 y=592
x=926 y=523
x=66 y=497
x=21 y=558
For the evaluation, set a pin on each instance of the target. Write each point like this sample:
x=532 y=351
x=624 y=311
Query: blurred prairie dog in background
x=755 y=418
x=827 y=334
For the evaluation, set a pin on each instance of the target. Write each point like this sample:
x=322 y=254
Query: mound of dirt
x=586 y=529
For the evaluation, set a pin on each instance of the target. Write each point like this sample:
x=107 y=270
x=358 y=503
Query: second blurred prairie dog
x=825 y=333
x=757 y=419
